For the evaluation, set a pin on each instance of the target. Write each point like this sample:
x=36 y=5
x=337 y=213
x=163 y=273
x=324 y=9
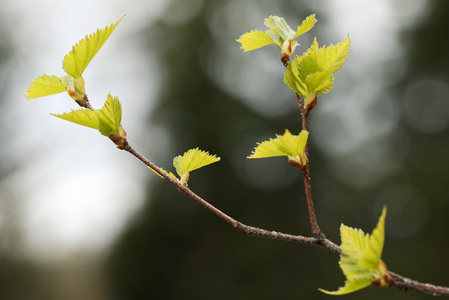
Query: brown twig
x=306 y=176
x=397 y=281
x=406 y=284
x=244 y=229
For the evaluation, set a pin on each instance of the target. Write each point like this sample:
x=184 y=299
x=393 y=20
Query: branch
x=305 y=174
x=406 y=284
x=397 y=281
x=319 y=239
x=244 y=229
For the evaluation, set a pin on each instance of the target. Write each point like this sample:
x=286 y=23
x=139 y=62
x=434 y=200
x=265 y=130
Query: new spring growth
x=312 y=73
x=307 y=75
x=288 y=145
x=279 y=34
x=191 y=160
x=74 y=64
x=360 y=258
x=106 y=120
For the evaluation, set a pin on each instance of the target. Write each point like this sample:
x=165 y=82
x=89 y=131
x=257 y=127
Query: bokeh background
x=80 y=219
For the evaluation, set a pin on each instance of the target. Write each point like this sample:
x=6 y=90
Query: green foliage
x=287 y=144
x=312 y=73
x=74 y=65
x=84 y=117
x=110 y=116
x=360 y=259
x=45 y=85
x=82 y=53
x=166 y=172
x=279 y=34
x=106 y=120
x=190 y=161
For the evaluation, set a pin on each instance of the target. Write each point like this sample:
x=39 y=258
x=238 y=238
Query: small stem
x=313 y=222
x=304 y=113
x=306 y=175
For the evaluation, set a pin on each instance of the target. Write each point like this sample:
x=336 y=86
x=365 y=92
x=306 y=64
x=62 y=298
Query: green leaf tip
x=76 y=61
x=360 y=259
x=170 y=174
x=288 y=145
x=192 y=160
x=279 y=33
x=312 y=73
x=74 y=64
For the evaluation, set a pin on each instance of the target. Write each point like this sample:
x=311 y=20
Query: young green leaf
x=168 y=173
x=306 y=25
x=82 y=53
x=283 y=145
x=110 y=116
x=84 y=117
x=313 y=71
x=74 y=64
x=45 y=85
x=107 y=119
x=279 y=30
x=254 y=40
x=279 y=34
x=192 y=160
x=360 y=259
x=288 y=145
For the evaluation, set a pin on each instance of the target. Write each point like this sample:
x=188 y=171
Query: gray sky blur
x=75 y=191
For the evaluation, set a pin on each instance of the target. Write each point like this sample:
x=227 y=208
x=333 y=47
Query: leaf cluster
x=74 y=64
x=312 y=73
x=107 y=120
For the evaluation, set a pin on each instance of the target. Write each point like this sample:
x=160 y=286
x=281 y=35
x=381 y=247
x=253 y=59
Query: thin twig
x=406 y=284
x=397 y=281
x=244 y=229
x=306 y=176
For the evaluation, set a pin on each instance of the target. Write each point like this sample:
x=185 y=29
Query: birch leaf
x=283 y=145
x=84 y=117
x=306 y=25
x=168 y=173
x=254 y=40
x=360 y=259
x=44 y=85
x=82 y=53
x=313 y=71
x=110 y=116
x=192 y=160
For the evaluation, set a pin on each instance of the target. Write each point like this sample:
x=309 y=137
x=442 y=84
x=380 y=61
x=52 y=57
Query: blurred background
x=81 y=220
